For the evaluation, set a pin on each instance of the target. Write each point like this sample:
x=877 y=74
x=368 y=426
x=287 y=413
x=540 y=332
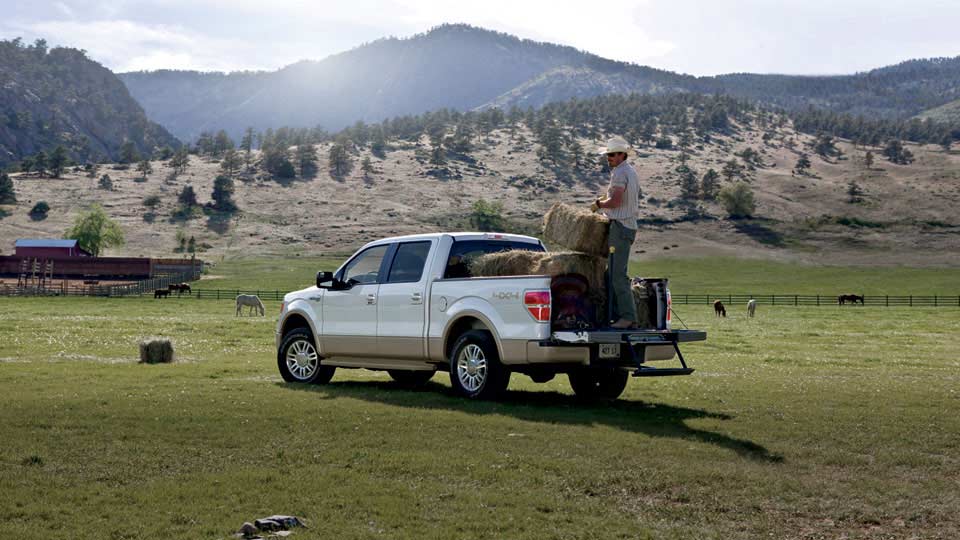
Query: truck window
x=408 y=262
x=465 y=251
x=365 y=267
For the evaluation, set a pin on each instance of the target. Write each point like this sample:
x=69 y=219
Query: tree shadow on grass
x=759 y=231
x=652 y=419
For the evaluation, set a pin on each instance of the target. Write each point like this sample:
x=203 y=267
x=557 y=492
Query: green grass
x=801 y=423
x=716 y=275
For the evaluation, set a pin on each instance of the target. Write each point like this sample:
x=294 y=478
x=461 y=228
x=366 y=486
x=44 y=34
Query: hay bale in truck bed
x=577 y=229
x=526 y=263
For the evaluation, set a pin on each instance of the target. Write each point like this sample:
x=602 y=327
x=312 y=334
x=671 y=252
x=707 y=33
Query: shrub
x=39 y=211
x=738 y=200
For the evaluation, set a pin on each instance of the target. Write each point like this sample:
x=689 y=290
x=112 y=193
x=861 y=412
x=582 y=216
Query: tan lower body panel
x=556 y=355
x=378 y=363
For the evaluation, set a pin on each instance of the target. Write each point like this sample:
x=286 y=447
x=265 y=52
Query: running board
x=645 y=371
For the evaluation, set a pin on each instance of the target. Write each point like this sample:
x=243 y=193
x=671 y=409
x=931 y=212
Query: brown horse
x=852 y=298
x=161 y=293
x=180 y=288
x=719 y=309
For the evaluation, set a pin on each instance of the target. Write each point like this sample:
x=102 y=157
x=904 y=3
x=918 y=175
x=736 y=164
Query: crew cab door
x=402 y=304
x=350 y=314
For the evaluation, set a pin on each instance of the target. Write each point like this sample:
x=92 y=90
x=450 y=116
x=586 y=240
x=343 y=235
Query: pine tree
x=731 y=169
x=306 y=156
x=868 y=159
x=179 y=160
x=128 y=153
x=58 y=161
x=710 y=185
x=7 y=193
x=803 y=165
x=689 y=187
x=854 y=192
x=192 y=245
x=366 y=167
x=230 y=162
x=187 y=197
x=222 y=194
x=105 y=182
x=340 y=161
x=145 y=169
x=221 y=143
x=40 y=163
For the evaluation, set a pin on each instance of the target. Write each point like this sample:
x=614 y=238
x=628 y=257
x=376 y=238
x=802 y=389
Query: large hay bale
x=156 y=351
x=527 y=263
x=577 y=229
x=506 y=263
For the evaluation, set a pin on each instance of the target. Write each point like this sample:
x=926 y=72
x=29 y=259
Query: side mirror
x=324 y=277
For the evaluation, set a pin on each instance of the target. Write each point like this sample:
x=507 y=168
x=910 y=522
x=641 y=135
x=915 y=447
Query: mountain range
x=463 y=67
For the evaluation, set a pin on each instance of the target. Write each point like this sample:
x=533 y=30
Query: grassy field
x=802 y=423
x=691 y=275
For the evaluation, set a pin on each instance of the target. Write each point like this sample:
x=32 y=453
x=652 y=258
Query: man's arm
x=614 y=200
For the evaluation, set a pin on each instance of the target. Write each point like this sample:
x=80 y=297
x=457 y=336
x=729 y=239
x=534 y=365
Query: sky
x=706 y=37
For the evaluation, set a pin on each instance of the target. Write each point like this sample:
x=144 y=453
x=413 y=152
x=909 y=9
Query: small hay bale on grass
x=577 y=229
x=156 y=351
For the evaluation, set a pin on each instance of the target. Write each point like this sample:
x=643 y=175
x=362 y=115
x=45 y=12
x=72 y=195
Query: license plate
x=610 y=350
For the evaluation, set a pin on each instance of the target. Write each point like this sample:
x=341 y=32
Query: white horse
x=250 y=300
x=751 y=307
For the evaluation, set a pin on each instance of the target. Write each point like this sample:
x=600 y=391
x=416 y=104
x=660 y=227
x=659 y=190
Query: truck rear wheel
x=299 y=360
x=598 y=384
x=475 y=368
x=410 y=379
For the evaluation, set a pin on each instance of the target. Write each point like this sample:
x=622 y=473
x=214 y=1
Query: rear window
x=465 y=251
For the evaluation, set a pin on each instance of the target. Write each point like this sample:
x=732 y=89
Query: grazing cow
x=250 y=300
x=751 y=307
x=719 y=309
x=161 y=293
x=852 y=298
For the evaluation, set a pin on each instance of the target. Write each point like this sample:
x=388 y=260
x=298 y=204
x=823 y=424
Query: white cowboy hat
x=614 y=145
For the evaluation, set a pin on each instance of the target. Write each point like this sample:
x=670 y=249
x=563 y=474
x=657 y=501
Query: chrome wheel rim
x=472 y=368
x=302 y=359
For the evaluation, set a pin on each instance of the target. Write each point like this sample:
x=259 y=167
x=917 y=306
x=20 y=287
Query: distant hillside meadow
x=719 y=176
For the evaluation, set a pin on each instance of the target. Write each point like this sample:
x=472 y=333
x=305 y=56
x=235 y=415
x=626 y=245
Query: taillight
x=538 y=304
x=669 y=308
x=283 y=305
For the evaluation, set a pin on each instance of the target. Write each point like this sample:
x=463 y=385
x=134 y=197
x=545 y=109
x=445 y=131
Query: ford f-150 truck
x=408 y=305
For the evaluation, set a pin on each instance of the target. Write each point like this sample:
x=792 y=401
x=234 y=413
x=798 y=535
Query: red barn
x=42 y=248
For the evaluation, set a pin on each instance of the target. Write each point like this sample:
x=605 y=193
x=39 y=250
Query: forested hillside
x=59 y=97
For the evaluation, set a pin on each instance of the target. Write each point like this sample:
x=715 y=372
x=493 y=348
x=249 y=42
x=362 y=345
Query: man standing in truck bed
x=621 y=205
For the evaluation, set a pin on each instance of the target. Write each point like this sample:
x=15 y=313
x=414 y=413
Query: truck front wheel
x=475 y=368
x=598 y=384
x=299 y=360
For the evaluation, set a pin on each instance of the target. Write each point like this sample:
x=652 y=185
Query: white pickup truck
x=408 y=305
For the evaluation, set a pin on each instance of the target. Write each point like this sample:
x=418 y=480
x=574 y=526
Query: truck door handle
x=371 y=299
x=416 y=298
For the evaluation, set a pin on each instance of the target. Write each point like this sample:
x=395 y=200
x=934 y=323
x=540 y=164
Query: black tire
x=475 y=368
x=598 y=384
x=410 y=379
x=299 y=361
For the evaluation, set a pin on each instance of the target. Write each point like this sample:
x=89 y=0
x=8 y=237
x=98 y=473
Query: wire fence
x=148 y=288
